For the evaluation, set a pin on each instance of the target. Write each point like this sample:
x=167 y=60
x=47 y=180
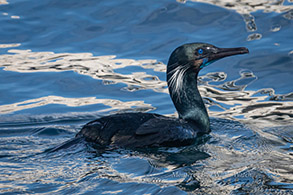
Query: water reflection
x=224 y=98
x=9 y=45
x=247 y=8
x=98 y=67
x=74 y=102
x=3 y=2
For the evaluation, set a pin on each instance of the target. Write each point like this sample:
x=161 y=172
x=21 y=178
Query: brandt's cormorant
x=153 y=130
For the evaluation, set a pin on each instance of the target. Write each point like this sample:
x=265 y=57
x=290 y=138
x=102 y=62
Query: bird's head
x=192 y=57
x=196 y=56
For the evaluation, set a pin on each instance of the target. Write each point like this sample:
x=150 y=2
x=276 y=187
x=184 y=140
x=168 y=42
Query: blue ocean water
x=65 y=63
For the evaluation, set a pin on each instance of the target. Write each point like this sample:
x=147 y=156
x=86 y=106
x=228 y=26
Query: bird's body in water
x=154 y=130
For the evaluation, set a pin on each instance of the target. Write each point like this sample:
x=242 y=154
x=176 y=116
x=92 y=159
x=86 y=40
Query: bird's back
x=139 y=130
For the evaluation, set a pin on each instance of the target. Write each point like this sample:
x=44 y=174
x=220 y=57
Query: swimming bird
x=136 y=130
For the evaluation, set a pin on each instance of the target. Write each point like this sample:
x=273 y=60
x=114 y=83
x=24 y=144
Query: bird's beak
x=225 y=52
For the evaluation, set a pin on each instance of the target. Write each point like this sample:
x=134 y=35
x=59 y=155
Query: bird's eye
x=200 y=51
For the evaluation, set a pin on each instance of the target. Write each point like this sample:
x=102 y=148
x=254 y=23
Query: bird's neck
x=188 y=102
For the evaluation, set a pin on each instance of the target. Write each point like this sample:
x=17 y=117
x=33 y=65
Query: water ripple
x=223 y=98
x=247 y=8
x=46 y=97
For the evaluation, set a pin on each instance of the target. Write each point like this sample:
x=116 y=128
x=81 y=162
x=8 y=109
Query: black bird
x=134 y=130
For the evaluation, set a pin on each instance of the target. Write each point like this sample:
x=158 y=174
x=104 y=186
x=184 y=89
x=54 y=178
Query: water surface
x=64 y=63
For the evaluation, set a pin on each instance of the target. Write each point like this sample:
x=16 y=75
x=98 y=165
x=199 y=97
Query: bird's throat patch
x=206 y=62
